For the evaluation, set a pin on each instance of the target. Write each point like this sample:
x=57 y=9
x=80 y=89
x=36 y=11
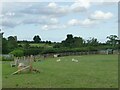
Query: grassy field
x=92 y=71
x=38 y=45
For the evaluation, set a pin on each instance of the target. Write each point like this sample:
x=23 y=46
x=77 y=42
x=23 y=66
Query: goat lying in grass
x=74 y=60
x=58 y=60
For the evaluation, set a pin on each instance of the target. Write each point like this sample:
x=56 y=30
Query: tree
x=57 y=45
x=73 y=42
x=37 y=39
x=92 y=42
x=69 y=41
x=4 y=46
x=48 y=42
x=12 y=43
x=78 y=42
x=113 y=39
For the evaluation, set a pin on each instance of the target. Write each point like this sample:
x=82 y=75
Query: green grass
x=92 y=71
x=39 y=45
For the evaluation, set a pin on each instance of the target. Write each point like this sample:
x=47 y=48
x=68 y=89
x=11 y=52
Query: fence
x=102 y=52
x=7 y=57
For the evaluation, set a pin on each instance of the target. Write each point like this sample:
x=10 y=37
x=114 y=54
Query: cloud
x=55 y=10
x=41 y=21
x=10 y=23
x=57 y=0
x=35 y=10
x=54 y=20
x=74 y=22
x=10 y=19
x=95 y=18
x=48 y=14
x=85 y=22
x=52 y=5
x=100 y=15
x=10 y=14
x=80 y=5
x=50 y=10
x=53 y=27
x=33 y=21
x=1 y=15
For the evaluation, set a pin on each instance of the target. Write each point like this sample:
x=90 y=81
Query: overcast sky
x=54 y=20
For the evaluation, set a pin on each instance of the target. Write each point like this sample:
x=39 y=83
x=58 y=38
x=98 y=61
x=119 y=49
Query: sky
x=54 y=20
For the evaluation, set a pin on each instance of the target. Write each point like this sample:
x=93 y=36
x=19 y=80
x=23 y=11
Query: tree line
x=70 y=44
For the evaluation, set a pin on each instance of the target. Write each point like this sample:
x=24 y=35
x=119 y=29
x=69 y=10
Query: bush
x=17 y=52
x=33 y=51
x=49 y=50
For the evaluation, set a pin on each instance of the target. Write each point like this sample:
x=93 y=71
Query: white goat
x=74 y=60
x=58 y=60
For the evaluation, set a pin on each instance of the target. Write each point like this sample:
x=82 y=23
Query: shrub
x=17 y=52
x=33 y=51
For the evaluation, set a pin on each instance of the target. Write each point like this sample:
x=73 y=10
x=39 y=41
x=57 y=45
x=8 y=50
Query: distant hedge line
x=41 y=50
x=34 y=51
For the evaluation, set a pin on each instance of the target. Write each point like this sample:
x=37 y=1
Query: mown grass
x=92 y=71
x=41 y=45
x=38 y=45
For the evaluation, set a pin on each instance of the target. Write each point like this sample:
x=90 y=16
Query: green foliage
x=72 y=42
x=37 y=39
x=92 y=42
x=50 y=50
x=48 y=42
x=9 y=45
x=5 y=48
x=26 y=45
x=69 y=41
x=12 y=43
x=113 y=40
x=78 y=42
x=33 y=51
x=63 y=50
x=57 y=45
x=17 y=52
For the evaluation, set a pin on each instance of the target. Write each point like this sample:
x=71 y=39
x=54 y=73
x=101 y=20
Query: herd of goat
x=73 y=60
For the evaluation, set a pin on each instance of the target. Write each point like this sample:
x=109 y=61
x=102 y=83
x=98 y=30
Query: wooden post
x=22 y=67
x=31 y=60
x=19 y=70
